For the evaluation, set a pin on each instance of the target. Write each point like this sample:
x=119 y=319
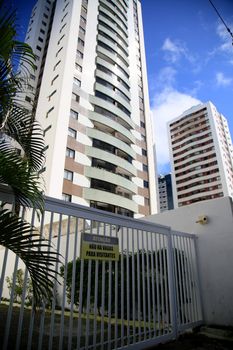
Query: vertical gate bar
x=110 y=298
x=133 y=285
x=186 y=280
x=161 y=284
x=153 y=281
x=116 y=295
x=122 y=287
x=139 y=287
x=70 y=336
x=143 y=285
x=189 y=279
x=148 y=284
x=55 y=287
x=197 y=274
x=157 y=282
x=128 y=284
x=165 y=261
x=42 y=317
x=96 y=295
x=20 y=323
x=10 y=307
x=183 y=282
x=88 y=304
x=190 y=241
x=177 y=286
x=103 y=298
x=180 y=284
x=64 y=287
x=172 y=289
x=79 y=331
x=3 y=272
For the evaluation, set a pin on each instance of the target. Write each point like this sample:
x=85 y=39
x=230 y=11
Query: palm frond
x=22 y=127
x=36 y=252
x=25 y=184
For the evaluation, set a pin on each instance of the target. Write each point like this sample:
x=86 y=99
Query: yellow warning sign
x=97 y=247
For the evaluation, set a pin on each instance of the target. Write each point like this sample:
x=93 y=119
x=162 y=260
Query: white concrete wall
x=215 y=253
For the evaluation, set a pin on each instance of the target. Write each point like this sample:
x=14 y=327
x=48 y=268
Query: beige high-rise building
x=91 y=96
x=201 y=155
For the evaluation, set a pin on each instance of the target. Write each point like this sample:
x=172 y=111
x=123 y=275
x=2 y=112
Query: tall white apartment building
x=90 y=94
x=201 y=155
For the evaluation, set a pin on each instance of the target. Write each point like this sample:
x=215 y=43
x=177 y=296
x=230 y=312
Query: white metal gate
x=148 y=296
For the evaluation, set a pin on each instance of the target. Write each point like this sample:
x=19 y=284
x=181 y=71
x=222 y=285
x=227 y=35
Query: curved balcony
x=112 y=80
x=114 y=47
x=113 y=10
x=112 y=124
x=107 y=176
x=111 y=158
x=113 y=95
x=113 y=57
x=114 y=36
x=111 y=108
x=116 y=9
x=114 y=19
x=110 y=198
x=114 y=28
x=102 y=136
x=113 y=68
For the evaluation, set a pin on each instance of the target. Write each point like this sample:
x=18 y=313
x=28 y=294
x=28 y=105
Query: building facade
x=165 y=192
x=90 y=94
x=201 y=155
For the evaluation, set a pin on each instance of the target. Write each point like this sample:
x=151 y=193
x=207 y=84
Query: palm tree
x=21 y=160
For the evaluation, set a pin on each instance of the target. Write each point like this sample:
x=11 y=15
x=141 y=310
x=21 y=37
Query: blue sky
x=189 y=59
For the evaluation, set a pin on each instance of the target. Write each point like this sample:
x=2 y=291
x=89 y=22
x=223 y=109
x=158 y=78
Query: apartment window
x=56 y=64
x=79 y=54
x=83 y=20
x=54 y=79
x=62 y=27
x=72 y=133
x=68 y=175
x=59 y=51
x=77 y=82
x=75 y=97
x=37 y=58
x=142 y=124
x=84 y=9
x=44 y=23
x=47 y=129
x=81 y=42
x=82 y=30
x=32 y=77
x=146 y=184
x=60 y=39
x=54 y=91
x=28 y=99
x=66 y=197
x=38 y=48
x=74 y=114
x=70 y=153
x=145 y=167
x=45 y=16
x=49 y=111
x=40 y=39
x=49 y=2
x=78 y=67
x=64 y=17
x=144 y=152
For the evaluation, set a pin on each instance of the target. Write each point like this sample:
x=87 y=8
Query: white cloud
x=175 y=50
x=168 y=104
x=222 y=80
x=225 y=38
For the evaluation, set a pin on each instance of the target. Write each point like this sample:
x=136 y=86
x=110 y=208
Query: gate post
x=171 y=283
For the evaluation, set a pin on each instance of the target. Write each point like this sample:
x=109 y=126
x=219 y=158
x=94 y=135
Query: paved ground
x=196 y=341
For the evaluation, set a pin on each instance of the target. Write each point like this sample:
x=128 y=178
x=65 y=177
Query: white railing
x=148 y=296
